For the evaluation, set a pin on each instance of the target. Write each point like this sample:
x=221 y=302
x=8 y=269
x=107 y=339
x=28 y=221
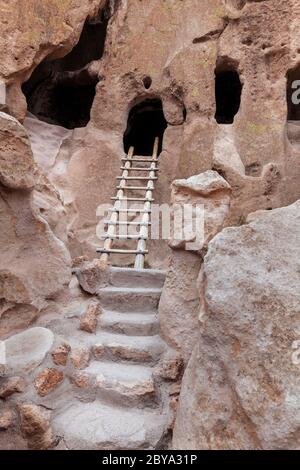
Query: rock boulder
x=241 y=387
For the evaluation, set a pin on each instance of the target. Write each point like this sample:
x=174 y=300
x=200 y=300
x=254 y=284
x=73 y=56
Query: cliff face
x=174 y=49
x=75 y=77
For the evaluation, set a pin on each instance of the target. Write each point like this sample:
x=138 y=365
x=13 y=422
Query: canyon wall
x=54 y=177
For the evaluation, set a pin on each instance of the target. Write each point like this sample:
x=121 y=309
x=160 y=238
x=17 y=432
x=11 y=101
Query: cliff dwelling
x=62 y=91
x=228 y=95
x=149 y=228
x=146 y=121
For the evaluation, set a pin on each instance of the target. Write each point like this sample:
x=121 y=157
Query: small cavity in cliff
x=62 y=91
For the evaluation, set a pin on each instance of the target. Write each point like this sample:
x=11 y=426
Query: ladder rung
x=150 y=160
x=131 y=211
x=138 y=168
x=123 y=237
x=137 y=178
x=135 y=188
x=137 y=199
x=122 y=252
x=120 y=222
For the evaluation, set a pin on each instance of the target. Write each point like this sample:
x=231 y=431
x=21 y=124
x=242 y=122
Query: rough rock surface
x=60 y=355
x=17 y=167
x=53 y=180
x=10 y=386
x=89 y=319
x=241 y=387
x=207 y=198
x=6 y=419
x=179 y=302
x=48 y=380
x=202 y=201
x=25 y=351
x=35 y=426
x=259 y=162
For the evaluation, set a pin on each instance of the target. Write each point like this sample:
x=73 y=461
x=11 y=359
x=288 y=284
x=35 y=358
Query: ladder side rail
x=111 y=231
x=144 y=230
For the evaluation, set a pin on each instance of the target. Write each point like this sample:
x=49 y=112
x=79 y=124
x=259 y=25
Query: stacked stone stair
x=122 y=409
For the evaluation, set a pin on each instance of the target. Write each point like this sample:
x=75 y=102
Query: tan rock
x=80 y=379
x=60 y=355
x=184 y=43
x=60 y=23
x=78 y=261
x=202 y=203
x=179 y=302
x=26 y=284
x=6 y=419
x=170 y=366
x=92 y=276
x=173 y=72
x=17 y=166
x=240 y=389
x=47 y=381
x=35 y=426
x=80 y=358
x=26 y=351
x=98 y=351
x=173 y=405
x=12 y=385
x=89 y=319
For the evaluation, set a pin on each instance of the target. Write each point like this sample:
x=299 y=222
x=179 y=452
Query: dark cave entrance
x=145 y=122
x=62 y=91
x=293 y=94
x=228 y=95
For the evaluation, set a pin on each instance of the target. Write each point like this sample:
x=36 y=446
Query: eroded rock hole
x=145 y=122
x=147 y=81
x=62 y=91
x=228 y=95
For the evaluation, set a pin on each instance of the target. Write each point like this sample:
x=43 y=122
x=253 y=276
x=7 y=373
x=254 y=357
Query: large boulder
x=17 y=167
x=34 y=264
x=241 y=387
x=179 y=303
x=202 y=202
x=27 y=350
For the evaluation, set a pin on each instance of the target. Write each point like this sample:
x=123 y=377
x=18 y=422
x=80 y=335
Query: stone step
x=127 y=299
x=129 y=277
x=122 y=384
x=138 y=349
x=135 y=324
x=98 y=426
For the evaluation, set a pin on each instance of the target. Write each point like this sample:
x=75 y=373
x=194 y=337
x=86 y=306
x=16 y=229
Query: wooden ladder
x=122 y=198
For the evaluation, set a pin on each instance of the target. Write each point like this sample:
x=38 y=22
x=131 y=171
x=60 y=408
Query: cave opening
x=293 y=94
x=145 y=122
x=228 y=89
x=62 y=91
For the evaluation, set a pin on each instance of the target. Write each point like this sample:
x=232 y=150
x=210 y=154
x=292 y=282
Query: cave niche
x=62 y=91
x=228 y=90
x=146 y=121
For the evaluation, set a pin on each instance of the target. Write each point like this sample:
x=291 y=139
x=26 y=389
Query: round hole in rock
x=146 y=121
x=228 y=89
x=147 y=81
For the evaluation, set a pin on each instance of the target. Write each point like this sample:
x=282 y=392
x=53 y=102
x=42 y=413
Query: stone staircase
x=122 y=408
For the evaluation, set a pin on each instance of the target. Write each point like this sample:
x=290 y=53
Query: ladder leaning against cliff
x=121 y=197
